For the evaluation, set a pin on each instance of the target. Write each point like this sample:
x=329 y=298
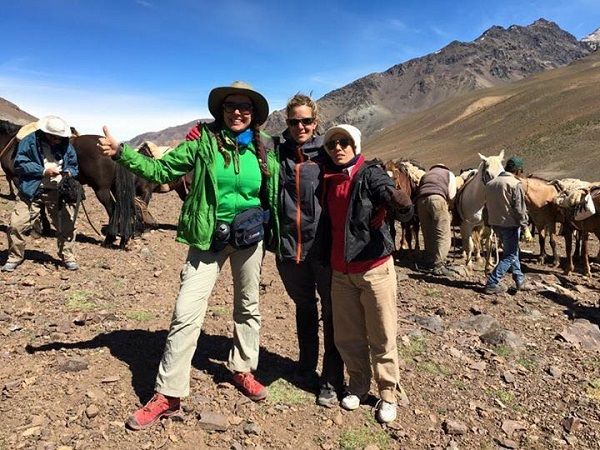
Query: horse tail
x=123 y=220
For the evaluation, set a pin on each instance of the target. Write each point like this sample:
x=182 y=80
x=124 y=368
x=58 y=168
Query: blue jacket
x=29 y=162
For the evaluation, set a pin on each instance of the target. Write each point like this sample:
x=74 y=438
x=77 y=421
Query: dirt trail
x=80 y=352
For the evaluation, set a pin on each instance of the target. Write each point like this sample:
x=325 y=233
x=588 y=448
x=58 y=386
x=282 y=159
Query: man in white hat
x=43 y=158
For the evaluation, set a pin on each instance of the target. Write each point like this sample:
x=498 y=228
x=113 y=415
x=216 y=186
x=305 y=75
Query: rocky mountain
x=498 y=56
x=11 y=112
x=169 y=136
x=592 y=40
x=552 y=119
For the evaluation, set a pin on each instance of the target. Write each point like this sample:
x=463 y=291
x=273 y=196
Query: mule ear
x=482 y=157
x=501 y=155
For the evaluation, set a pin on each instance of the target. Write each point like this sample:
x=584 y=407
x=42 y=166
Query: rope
x=7 y=146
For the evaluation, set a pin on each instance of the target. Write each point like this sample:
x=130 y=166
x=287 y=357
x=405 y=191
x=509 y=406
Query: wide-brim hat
x=218 y=95
x=54 y=125
x=348 y=130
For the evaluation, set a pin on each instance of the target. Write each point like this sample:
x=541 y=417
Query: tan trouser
x=26 y=214
x=198 y=277
x=365 y=327
x=435 y=223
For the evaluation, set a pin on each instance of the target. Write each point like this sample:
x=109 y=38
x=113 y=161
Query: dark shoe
x=249 y=386
x=159 y=406
x=71 y=265
x=307 y=379
x=524 y=286
x=442 y=271
x=10 y=266
x=327 y=397
x=497 y=289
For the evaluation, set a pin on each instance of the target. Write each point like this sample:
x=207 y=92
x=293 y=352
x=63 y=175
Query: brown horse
x=404 y=182
x=587 y=226
x=540 y=196
x=114 y=186
x=180 y=185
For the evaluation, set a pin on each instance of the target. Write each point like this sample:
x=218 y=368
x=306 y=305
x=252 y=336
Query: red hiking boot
x=159 y=406
x=249 y=386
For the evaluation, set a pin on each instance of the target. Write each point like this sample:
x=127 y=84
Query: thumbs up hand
x=108 y=145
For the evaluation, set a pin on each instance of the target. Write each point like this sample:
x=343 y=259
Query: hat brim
x=218 y=95
x=336 y=130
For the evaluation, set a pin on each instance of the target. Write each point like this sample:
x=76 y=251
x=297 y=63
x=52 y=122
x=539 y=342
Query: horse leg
x=476 y=244
x=568 y=233
x=416 y=226
x=467 y=240
x=106 y=200
x=409 y=236
x=11 y=187
x=577 y=252
x=584 y=254
x=542 y=240
x=555 y=257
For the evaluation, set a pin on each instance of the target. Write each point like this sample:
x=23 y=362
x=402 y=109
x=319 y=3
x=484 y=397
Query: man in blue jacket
x=43 y=158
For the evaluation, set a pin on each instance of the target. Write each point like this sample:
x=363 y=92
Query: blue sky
x=144 y=65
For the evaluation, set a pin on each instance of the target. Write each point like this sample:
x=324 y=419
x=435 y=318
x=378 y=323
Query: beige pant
x=198 y=277
x=26 y=215
x=435 y=224
x=365 y=327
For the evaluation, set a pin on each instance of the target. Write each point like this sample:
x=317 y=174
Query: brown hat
x=218 y=95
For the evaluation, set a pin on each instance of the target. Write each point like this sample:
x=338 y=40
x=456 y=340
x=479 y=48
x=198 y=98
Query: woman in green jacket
x=234 y=186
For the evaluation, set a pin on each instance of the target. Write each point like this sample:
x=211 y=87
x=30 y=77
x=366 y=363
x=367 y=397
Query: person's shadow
x=141 y=350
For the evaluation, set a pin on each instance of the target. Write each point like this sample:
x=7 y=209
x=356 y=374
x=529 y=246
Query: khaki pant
x=26 y=215
x=435 y=223
x=365 y=328
x=198 y=277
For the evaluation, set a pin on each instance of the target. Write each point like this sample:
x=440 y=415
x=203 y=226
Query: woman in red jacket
x=359 y=195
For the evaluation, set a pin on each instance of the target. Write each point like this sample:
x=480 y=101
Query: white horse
x=471 y=201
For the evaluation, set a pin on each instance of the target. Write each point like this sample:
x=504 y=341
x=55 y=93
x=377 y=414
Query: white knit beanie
x=351 y=131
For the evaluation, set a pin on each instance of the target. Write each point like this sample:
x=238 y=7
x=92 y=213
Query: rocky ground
x=80 y=352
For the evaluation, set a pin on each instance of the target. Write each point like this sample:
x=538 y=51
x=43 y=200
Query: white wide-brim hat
x=54 y=125
x=218 y=95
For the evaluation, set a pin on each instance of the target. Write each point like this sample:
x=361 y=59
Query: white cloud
x=88 y=108
x=144 y=3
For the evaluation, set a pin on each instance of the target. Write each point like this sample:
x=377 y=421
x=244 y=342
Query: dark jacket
x=29 y=162
x=371 y=189
x=299 y=202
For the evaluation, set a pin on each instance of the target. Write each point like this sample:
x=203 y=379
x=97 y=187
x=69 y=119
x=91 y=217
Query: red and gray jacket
x=353 y=236
x=299 y=206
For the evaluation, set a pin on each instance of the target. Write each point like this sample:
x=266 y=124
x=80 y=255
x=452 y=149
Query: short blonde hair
x=302 y=100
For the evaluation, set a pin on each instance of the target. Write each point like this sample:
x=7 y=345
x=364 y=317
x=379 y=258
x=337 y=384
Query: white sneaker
x=350 y=402
x=386 y=412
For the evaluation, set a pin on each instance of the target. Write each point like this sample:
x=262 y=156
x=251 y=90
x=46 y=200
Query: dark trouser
x=301 y=280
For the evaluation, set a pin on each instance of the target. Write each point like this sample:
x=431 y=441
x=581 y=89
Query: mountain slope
x=497 y=57
x=552 y=119
x=11 y=112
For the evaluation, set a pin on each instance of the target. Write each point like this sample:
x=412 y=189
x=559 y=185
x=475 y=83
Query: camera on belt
x=221 y=236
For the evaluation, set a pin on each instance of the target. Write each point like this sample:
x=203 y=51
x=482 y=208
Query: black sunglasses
x=344 y=142
x=304 y=121
x=244 y=108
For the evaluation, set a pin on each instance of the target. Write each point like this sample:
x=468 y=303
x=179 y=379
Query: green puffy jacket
x=199 y=211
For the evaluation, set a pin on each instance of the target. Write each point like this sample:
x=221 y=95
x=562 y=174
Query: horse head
x=490 y=167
